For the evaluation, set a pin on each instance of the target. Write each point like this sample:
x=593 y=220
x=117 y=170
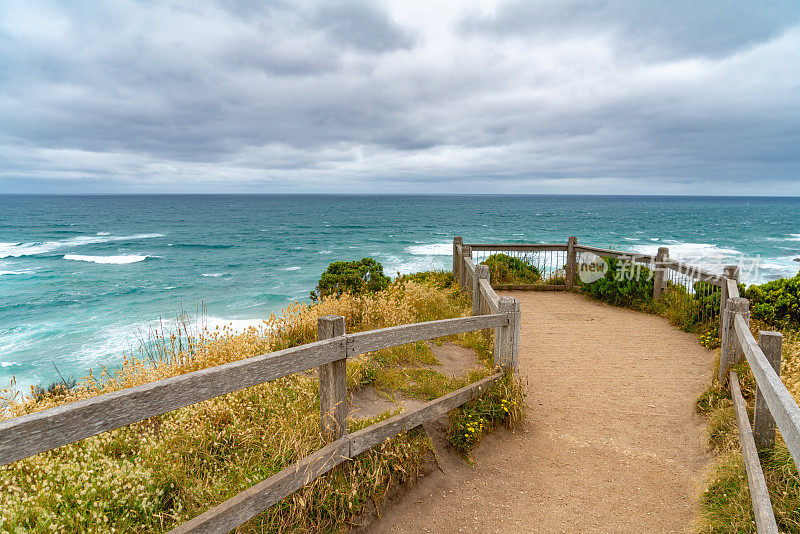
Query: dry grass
x=153 y=475
x=726 y=505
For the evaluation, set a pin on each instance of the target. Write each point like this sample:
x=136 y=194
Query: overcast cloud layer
x=569 y=96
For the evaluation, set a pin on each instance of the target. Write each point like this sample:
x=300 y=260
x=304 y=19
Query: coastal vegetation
x=153 y=475
x=777 y=302
x=618 y=289
x=353 y=277
x=632 y=287
x=505 y=269
x=726 y=503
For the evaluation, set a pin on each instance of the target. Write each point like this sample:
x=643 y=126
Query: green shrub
x=707 y=297
x=354 y=277
x=776 y=302
x=505 y=269
x=619 y=289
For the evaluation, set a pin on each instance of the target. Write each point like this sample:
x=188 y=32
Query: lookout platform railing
x=716 y=297
x=37 y=432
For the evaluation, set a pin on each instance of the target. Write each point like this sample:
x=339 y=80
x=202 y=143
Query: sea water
x=83 y=279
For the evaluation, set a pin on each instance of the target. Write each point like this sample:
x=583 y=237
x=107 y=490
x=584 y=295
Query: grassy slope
x=155 y=474
x=726 y=503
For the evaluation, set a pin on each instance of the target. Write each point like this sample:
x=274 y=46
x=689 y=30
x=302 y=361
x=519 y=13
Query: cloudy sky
x=417 y=96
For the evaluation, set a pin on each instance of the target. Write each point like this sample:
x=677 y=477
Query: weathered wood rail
x=774 y=405
x=45 y=430
x=562 y=261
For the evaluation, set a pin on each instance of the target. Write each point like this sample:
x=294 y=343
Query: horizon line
x=364 y=194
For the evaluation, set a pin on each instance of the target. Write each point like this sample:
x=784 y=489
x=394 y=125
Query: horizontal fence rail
x=759 y=495
x=641 y=258
x=246 y=505
x=780 y=402
x=694 y=291
x=550 y=261
x=383 y=338
x=688 y=288
x=37 y=432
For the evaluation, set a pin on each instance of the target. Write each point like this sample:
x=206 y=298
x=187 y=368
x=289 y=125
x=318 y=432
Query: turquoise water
x=83 y=278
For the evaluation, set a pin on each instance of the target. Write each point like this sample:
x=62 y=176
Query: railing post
x=659 y=280
x=481 y=272
x=457 y=242
x=571 y=263
x=332 y=382
x=506 y=338
x=763 y=422
x=728 y=353
x=466 y=252
x=732 y=272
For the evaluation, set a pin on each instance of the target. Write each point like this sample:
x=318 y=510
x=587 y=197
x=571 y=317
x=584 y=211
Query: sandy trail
x=611 y=443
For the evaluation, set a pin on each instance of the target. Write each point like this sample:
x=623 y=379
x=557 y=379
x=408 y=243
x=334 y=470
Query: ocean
x=84 y=278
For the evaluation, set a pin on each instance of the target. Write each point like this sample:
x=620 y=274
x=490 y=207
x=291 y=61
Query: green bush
x=776 y=302
x=354 y=277
x=505 y=269
x=707 y=297
x=616 y=288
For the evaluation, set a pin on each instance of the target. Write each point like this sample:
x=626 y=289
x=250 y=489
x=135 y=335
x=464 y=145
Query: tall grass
x=153 y=475
x=725 y=505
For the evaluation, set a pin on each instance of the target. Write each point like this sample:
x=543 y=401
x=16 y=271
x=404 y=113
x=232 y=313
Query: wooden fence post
x=466 y=252
x=457 y=242
x=659 y=280
x=506 y=338
x=763 y=423
x=571 y=263
x=728 y=353
x=732 y=272
x=481 y=272
x=332 y=382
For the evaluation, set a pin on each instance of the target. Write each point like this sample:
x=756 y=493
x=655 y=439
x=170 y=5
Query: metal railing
x=708 y=296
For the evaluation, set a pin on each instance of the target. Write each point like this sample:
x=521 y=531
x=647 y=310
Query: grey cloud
x=285 y=96
x=362 y=25
x=653 y=28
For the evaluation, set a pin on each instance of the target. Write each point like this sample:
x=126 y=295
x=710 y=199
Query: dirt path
x=611 y=443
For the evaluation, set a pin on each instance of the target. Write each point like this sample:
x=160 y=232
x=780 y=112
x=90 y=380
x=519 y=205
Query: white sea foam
x=16 y=250
x=115 y=260
x=8 y=364
x=433 y=249
x=680 y=250
x=103 y=233
x=712 y=257
x=395 y=264
x=21 y=271
x=790 y=237
x=293 y=268
x=325 y=252
x=212 y=275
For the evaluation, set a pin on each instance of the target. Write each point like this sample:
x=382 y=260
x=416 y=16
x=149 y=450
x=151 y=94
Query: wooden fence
x=685 y=286
x=37 y=432
x=774 y=405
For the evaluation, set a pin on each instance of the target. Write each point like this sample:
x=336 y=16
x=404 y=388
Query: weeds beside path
x=611 y=442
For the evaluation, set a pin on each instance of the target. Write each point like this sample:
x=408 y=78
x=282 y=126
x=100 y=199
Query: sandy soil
x=611 y=443
x=454 y=361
